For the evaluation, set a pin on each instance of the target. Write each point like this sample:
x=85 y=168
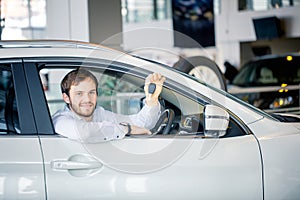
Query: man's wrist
x=128 y=126
x=152 y=102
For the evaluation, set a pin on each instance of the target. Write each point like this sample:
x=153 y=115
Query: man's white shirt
x=104 y=125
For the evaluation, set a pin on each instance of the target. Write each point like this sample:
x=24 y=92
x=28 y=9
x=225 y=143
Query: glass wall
x=256 y=5
x=136 y=11
x=23 y=19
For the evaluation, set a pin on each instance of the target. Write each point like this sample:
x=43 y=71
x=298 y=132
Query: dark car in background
x=271 y=83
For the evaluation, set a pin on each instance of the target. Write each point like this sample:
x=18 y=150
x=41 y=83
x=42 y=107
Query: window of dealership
x=23 y=19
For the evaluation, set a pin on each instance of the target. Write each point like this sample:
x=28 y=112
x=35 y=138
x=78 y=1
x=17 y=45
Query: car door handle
x=71 y=165
x=77 y=162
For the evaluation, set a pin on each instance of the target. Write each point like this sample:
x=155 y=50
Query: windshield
x=253 y=108
x=275 y=71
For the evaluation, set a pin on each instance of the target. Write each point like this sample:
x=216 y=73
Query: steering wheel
x=164 y=122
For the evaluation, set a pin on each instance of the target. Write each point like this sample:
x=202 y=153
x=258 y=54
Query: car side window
x=118 y=94
x=115 y=93
x=9 y=121
x=51 y=79
x=121 y=93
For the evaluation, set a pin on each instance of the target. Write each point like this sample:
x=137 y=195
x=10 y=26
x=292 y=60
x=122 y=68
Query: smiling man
x=83 y=120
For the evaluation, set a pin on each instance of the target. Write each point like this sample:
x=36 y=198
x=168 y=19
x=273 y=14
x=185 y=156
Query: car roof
x=63 y=48
x=274 y=56
x=50 y=44
x=11 y=48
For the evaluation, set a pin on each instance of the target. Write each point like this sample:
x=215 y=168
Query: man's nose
x=86 y=97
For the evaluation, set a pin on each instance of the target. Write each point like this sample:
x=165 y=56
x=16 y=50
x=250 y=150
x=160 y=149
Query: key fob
x=151 y=88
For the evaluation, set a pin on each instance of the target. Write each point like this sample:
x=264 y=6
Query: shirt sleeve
x=146 y=117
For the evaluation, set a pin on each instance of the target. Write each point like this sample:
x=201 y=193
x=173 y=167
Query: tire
x=203 y=69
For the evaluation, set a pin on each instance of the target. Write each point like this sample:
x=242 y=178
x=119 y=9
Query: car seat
x=266 y=76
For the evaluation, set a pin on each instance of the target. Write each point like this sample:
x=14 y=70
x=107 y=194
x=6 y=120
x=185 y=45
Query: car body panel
x=21 y=168
x=281 y=166
x=275 y=128
x=168 y=168
x=281 y=169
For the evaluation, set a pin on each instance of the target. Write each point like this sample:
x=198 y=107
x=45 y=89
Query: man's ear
x=66 y=98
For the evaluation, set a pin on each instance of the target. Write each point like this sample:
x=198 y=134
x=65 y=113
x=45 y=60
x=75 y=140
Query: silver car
x=211 y=145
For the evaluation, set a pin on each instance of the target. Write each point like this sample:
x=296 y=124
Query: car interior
x=9 y=120
x=266 y=76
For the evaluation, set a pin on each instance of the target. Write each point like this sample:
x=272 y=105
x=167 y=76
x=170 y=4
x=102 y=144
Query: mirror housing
x=216 y=121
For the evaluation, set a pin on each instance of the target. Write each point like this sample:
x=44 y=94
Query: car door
x=171 y=166
x=21 y=166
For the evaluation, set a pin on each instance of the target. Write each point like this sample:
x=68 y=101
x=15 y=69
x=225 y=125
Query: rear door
x=21 y=166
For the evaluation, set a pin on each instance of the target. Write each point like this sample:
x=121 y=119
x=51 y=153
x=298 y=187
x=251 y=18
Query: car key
x=151 y=88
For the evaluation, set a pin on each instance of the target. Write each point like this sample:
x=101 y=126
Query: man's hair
x=74 y=77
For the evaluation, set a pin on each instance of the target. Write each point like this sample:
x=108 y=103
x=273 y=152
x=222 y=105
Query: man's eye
x=93 y=92
x=78 y=93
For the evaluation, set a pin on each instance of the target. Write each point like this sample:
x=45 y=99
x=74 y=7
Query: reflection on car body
x=214 y=140
x=270 y=83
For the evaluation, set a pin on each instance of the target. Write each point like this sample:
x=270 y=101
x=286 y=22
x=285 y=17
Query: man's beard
x=80 y=110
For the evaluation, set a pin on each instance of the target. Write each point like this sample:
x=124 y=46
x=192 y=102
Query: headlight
x=281 y=102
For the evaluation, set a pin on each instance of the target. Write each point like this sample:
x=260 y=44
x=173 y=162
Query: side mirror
x=216 y=121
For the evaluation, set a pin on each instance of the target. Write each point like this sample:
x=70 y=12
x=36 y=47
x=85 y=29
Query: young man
x=83 y=120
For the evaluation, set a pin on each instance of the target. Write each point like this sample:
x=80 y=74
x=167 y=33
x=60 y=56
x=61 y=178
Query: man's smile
x=87 y=105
